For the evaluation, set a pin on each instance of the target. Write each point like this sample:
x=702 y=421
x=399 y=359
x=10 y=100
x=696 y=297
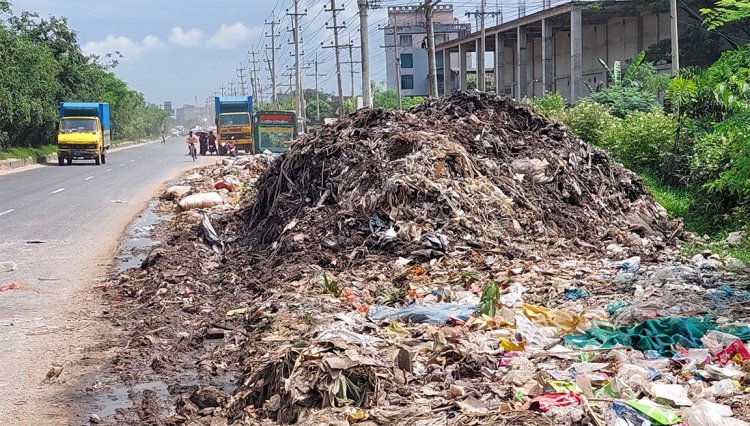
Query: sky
x=183 y=50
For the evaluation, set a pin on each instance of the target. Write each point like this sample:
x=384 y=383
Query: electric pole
x=317 y=90
x=336 y=47
x=300 y=110
x=351 y=63
x=427 y=6
x=364 y=50
x=256 y=93
x=231 y=89
x=395 y=46
x=674 y=36
x=272 y=62
x=241 y=76
x=481 y=14
x=223 y=90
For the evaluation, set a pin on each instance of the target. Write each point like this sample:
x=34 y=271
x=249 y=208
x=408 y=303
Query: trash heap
x=471 y=171
x=464 y=263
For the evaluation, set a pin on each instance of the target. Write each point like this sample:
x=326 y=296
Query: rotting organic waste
x=467 y=262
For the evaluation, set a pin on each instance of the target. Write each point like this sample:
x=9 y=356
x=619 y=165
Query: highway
x=60 y=227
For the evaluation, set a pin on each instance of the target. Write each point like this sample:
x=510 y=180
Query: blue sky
x=180 y=50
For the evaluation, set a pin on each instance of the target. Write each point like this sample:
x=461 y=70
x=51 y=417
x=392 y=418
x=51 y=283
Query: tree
x=388 y=99
x=312 y=109
x=726 y=12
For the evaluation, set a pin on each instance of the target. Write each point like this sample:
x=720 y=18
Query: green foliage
x=623 y=100
x=331 y=286
x=489 y=299
x=349 y=106
x=725 y=12
x=42 y=65
x=312 y=109
x=551 y=104
x=589 y=121
x=489 y=83
x=28 y=152
x=643 y=141
x=388 y=99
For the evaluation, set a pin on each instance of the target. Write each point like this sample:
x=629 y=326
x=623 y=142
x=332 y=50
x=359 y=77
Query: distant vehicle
x=274 y=130
x=83 y=133
x=234 y=121
x=174 y=132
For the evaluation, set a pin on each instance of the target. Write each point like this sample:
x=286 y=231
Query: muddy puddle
x=138 y=239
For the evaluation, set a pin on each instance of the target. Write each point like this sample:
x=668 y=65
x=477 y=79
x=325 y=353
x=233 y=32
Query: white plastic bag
x=200 y=201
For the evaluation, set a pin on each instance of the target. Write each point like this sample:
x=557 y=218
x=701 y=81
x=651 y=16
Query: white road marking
x=89 y=178
x=7 y=211
x=122 y=165
x=132 y=161
x=57 y=190
x=108 y=170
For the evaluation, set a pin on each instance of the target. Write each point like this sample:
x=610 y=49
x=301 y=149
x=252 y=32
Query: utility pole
x=241 y=76
x=272 y=62
x=223 y=90
x=231 y=89
x=364 y=49
x=674 y=36
x=481 y=14
x=351 y=63
x=317 y=90
x=336 y=46
x=256 y=92
x=395 y=46
x=300 y=110
x=427 y=7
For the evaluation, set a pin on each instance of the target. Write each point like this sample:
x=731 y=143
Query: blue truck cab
x=84 y=132
x=234 y=121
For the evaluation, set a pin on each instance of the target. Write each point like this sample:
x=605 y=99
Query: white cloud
x=184 y=38
x=229 y=36
x=127 y=47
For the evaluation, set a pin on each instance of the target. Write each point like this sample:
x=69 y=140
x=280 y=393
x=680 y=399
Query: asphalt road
x=60 y=226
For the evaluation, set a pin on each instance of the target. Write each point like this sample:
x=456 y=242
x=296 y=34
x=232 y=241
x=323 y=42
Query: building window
x=439 y=60
x=404 y=40
x=439 y=38
x=407 y=82
x=407 y=60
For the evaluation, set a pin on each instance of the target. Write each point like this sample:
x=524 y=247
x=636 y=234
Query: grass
x=679 y=203
x=27 y=152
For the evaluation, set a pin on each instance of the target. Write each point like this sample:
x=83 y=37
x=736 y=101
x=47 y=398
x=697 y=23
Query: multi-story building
x=406 y=53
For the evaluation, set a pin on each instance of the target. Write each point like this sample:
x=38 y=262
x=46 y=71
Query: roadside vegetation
x=686 y=136
x=42 y=65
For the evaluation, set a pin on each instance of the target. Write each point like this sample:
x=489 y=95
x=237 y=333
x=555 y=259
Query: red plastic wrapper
x=736 y=348
x=546 y=401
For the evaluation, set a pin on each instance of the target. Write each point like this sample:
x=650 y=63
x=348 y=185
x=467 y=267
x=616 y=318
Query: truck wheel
x=97 y=160
x=104 y=158
x=60 y=161
x=69 y=161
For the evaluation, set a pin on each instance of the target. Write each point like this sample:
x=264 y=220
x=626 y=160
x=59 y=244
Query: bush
x=550 y=105
x=643 y=141
x=589 y=121
x=623 y=100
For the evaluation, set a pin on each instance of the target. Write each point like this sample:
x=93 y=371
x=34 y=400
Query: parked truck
x=234 y=121
x=83 y=132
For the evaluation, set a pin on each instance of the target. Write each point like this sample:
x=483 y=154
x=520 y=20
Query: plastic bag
x=430 y=314
x=546 y=401
x=631 y=264
x=563 y=321
x=656 y=413
x=513 y=296
x=707 y=413
x=200 y=201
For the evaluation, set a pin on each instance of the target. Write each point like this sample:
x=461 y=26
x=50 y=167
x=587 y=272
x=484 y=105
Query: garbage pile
x=471 y=171
x=463 y=263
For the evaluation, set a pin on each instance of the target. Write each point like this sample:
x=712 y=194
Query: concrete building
x=556 y=49
x=406 y=54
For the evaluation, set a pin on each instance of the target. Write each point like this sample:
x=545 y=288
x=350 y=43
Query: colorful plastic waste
x=656 y=414
x=661 y=335
x=575 y=294
x=616 y=306
x=631 y=264
x=546 y=401
x=561 y=320
x=431 y=314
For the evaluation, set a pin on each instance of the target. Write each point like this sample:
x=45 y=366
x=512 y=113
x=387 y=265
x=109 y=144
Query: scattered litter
x=200 y=201
x=8 y=266
x=8 y=287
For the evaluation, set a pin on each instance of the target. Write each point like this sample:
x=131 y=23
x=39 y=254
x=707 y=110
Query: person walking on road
x=163 y=139
x=212 y=143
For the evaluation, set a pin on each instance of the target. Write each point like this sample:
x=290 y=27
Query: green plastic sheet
x=659 y=335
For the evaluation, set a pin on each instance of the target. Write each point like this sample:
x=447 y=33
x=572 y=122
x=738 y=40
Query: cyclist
x=191 y=141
